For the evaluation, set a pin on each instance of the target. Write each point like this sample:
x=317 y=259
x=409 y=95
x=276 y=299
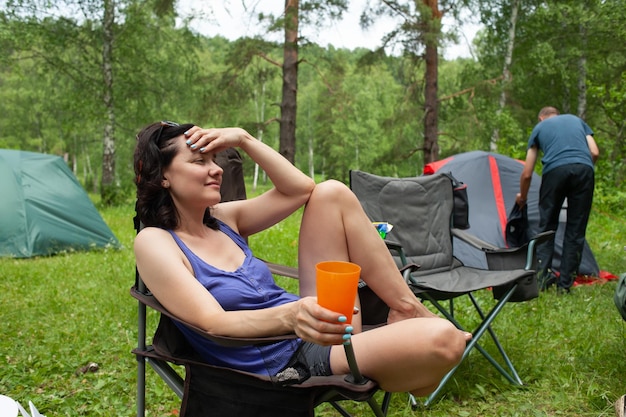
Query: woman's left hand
x=315 y=324
x=215 y=140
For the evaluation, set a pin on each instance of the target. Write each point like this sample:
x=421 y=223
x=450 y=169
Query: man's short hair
x=548 y=111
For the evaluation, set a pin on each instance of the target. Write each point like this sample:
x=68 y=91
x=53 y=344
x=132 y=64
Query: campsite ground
x=61 y=313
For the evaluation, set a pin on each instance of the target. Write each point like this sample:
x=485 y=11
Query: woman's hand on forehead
x=214 y=140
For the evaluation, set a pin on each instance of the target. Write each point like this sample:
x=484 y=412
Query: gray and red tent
x=492 y=183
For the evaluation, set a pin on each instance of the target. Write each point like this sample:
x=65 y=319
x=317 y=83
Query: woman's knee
x=332 y=192
x=329 y=187
x=446 y=343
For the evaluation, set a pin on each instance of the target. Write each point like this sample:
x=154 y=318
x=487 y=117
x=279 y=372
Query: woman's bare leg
x=417 y=348
x=407 y=356
x=335 y=227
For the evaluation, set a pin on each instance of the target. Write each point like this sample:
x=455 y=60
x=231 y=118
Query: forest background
x=79 y=78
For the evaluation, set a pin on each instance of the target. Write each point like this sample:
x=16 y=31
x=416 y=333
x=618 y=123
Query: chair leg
x=379 y=410
x=340 y=409
x=386 y=402
x=357 y=378
x=511 y=376
x=141 y=362
x=169 y=375
x=141 y=387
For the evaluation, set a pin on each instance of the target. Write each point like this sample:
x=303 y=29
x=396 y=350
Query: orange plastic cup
x=337 y=284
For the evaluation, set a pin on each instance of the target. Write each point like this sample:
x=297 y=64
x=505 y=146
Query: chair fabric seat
x=462 y=280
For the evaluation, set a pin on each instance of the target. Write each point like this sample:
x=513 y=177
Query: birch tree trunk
x=582 y=75
x=260 y=117
x=108 y=155
x=506 y=73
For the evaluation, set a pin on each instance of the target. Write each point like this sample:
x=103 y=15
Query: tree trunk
x=259 y=104
x=506 y=73
x=107 y=191
x=431 y=104
x=288 y=107
x=582 y=75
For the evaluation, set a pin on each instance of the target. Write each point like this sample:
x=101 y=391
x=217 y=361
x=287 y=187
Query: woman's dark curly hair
x=154 y=152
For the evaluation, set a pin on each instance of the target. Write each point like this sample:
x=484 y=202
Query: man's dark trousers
x=576 y=183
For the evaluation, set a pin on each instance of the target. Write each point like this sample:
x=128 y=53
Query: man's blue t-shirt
x=250 y=287
x=563 y=140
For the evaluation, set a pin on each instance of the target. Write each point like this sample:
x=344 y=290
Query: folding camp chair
x=212 y=390
x=227 y=392
x=420 y=210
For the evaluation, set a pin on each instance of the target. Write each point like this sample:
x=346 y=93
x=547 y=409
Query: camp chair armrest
x=396 y=247
x=407 y=270
x=149 y=300
x=488 y=247
x=522 y=257
x=473 y=240
x=393 y=245
x=543 y=237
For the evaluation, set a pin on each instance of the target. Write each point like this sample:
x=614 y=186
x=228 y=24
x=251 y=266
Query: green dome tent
x=44 y=210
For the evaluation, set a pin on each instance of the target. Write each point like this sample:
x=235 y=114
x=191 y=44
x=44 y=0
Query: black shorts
x=315 y=357
x=308 y=360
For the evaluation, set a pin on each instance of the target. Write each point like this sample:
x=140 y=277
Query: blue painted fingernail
x=193 y=146
x=346 y=343
x=186 y=133
x=188 y=142
x=201 y=149
x=347 y=336
x=349 y=329
x=342 y=319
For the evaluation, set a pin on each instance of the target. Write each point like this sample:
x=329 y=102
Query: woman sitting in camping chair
x=193 y=256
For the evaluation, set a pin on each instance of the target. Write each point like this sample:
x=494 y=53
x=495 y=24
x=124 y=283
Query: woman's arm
x=166 y=272
x=291 y=189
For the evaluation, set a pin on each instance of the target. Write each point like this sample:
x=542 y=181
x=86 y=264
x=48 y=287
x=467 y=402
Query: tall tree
x=108 y=141
x=506 y=72
x=109 y=77
x=294 y=14
x=288 y=105
x=420 y=34
x=431 y=22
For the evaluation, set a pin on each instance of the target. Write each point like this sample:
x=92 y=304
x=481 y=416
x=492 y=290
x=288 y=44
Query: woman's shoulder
x=151 y=236
x=153 y=231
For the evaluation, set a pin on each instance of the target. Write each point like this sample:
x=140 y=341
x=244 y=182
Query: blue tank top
x=250 y=287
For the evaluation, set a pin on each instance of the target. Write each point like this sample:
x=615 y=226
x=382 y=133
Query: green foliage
x=356 y=109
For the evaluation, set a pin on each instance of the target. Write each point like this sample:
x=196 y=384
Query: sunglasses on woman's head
x=164 y=123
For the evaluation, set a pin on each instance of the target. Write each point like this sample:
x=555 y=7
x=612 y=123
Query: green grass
x=60 y=313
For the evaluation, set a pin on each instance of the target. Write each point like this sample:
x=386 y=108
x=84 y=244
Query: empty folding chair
x=420 y=210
